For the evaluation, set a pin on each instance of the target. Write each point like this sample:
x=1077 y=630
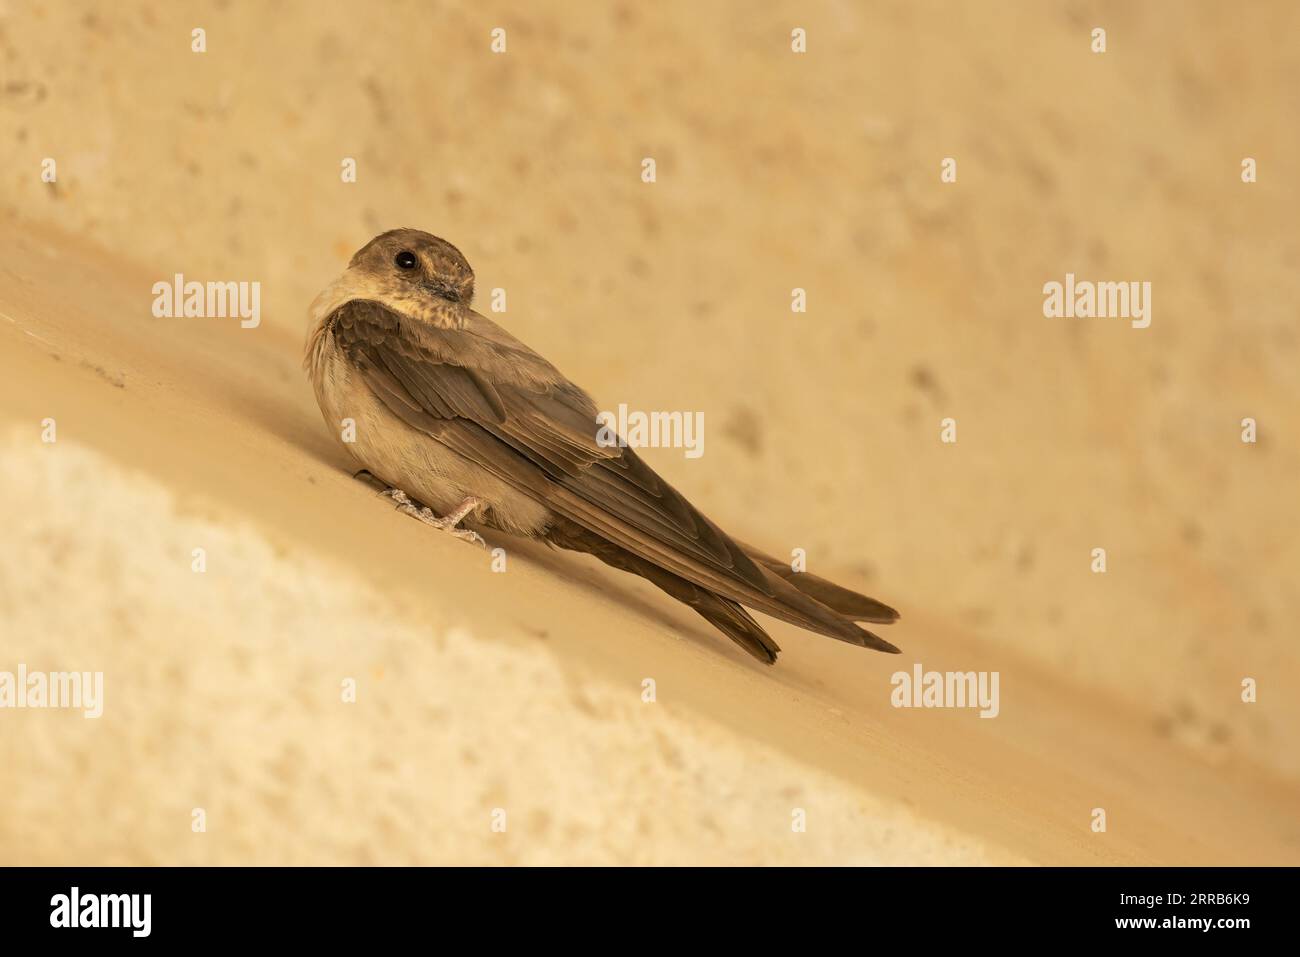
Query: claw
x=471 y=536
x=427 y=516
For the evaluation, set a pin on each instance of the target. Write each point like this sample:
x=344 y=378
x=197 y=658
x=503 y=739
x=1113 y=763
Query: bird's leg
x=445 y=524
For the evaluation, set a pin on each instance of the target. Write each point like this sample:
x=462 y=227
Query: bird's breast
x=406 y=458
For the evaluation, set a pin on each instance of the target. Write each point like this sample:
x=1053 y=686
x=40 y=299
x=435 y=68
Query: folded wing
x=490 y=398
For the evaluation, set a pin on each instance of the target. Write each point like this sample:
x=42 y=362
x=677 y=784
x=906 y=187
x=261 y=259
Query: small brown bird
x=451 y=410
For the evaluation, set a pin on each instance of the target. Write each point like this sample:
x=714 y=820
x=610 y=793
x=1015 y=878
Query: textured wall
x=776 y=171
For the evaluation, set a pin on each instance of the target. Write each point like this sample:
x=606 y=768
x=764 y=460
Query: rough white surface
x=223 y=691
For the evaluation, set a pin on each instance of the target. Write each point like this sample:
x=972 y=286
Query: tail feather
x=850 y=604
x=736 y=623
x=801 y=599
x=722 y=613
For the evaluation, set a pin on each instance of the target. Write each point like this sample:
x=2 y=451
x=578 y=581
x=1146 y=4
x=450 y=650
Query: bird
x=466 y=425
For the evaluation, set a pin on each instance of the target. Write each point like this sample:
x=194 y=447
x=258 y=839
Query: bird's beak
x=439 y=290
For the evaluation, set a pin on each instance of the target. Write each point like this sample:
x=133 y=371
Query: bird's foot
x=447 y=523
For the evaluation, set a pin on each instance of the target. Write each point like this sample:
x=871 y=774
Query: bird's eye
x=405 y=259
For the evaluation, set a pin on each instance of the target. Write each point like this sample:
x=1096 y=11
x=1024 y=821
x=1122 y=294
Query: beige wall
x=818 y=171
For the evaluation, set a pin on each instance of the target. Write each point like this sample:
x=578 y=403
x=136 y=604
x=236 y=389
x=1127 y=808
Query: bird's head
x=411 y=272
x=411 y=264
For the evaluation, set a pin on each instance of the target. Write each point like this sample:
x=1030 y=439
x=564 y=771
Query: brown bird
x=449 y=409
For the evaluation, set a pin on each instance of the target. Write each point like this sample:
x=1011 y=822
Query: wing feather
x=487 y=396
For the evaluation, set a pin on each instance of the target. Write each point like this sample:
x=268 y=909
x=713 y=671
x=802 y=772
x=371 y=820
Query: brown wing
x=488 y=397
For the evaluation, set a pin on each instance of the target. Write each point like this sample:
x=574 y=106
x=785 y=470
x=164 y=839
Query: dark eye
x=405 y=259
